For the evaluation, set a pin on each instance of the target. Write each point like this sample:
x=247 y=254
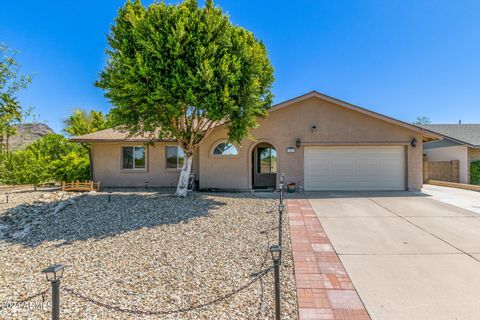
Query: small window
x=267 y=160
x=133 y=157
x=225 y=149
x=175 y=157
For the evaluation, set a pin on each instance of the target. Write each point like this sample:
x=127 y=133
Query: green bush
x=475 y=172
x=52 y=158
x=71 y=167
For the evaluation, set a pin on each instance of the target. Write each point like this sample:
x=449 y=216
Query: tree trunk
x=184 y=177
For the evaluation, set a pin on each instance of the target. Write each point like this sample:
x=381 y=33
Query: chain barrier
x=256 y=277
x=166 y=312
x=19 y=302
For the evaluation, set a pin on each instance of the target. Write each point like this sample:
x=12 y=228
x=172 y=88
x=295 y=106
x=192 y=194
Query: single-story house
x=461 y=142
x=319 y=142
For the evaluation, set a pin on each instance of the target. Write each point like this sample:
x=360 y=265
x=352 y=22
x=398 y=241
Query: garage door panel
x=355 y=168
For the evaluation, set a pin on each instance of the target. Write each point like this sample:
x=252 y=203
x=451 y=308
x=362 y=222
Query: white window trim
x=134 y=169
x=215 y=144
x=165 y=157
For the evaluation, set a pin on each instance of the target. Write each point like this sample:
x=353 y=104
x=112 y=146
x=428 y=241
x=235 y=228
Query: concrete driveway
x=465 y=199
x=408 y=255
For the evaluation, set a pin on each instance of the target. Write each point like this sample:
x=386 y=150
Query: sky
x=400 y=58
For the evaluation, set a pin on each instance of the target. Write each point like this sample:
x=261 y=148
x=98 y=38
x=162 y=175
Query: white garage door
x=355 y=168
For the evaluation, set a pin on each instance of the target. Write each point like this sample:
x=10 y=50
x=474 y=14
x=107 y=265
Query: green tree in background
x=181 y=70
x=11 y=82
x=82 y=122
x=422 y=120
x=51 y=158
x=23 y=167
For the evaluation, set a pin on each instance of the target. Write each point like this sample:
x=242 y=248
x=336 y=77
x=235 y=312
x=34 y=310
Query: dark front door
x=264 y=167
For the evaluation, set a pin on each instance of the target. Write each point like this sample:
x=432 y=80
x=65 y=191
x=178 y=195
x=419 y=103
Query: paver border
x=324 y=289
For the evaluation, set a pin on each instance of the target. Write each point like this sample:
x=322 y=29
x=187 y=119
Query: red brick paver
x=324 y=289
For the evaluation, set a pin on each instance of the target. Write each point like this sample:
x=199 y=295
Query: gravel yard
x=144 y=250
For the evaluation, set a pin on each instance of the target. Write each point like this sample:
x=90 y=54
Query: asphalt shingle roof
x=117 y=135
x=466 y=133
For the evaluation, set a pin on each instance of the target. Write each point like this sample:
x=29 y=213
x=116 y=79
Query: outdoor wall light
x=314 y=128
x=298 y=143
x=413 y=143
x=54 y=273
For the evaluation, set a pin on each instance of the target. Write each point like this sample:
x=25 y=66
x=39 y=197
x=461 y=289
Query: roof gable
x=314 y=94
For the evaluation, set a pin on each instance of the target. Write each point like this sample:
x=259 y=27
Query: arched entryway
x=264 y=166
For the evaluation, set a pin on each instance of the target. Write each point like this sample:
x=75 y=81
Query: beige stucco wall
x=459 y=153
x=107 y=166
x=336 y=125
x=473 y=154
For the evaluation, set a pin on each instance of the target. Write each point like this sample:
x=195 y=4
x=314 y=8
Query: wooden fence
x=441 y=170
x=80 y=186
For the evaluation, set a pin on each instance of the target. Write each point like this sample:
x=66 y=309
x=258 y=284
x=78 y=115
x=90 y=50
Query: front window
x=133 y=157
x=267 y=160
x=225 y=149
x=175 y=157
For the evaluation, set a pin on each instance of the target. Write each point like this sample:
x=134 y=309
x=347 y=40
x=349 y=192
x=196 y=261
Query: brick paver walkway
x=324 y=290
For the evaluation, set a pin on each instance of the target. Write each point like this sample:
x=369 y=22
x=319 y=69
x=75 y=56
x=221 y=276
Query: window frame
x=166 y=158
x=215 y=144
x=134 y=169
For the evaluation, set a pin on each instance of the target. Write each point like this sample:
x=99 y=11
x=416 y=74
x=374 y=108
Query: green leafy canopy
x=51 y=158
x=184 y=69
x=82 y=122
x=11 y=81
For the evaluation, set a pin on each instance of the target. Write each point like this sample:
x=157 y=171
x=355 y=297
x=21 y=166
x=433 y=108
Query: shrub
x=475 y=172
x=71 y=167
x=52 y=158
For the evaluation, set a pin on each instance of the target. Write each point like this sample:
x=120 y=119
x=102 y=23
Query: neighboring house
x=461 y=142
x=319 y=142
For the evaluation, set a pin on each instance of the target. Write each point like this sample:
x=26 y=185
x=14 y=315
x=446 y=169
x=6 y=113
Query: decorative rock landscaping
x=144 y=250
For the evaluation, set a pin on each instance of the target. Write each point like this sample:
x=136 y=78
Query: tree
x=81 y=122
x=23 y=167
x=181 y=70
x=422 y=120
x=11 y=82
x=51 y=158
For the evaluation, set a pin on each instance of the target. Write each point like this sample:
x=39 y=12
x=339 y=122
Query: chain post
x=53 y=274
x=56 y=300
x=281 y=208
x=276 y=252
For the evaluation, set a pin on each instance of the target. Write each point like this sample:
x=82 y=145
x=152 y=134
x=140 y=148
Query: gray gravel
x=144 y=250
